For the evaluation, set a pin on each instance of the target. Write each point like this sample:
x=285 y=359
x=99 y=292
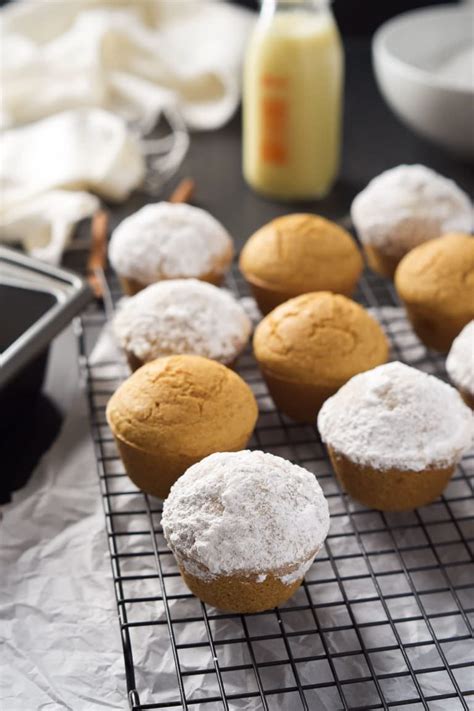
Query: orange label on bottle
x=274 y=148
x=273 y=81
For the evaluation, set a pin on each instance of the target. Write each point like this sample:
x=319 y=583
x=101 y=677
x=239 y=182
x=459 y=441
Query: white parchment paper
x=61 y=647
x=60 y=641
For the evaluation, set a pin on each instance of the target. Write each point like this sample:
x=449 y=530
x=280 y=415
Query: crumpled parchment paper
x=60 y=640
x=58 y=619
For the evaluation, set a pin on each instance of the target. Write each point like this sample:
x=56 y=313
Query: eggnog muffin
x=297 y=254
x=436 y=283
x=395 y=435
x=182 y=316
x=244 y=528
x=460 y=363
x=404 y=207
x=174 y=411
x=169 y=241
x=311 y=345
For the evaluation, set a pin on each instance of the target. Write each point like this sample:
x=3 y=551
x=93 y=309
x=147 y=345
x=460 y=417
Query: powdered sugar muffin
x=169 y=241
x=403 y=207
x=394 y=436
x=460 y=363
x=182 y=316
x=244 y=528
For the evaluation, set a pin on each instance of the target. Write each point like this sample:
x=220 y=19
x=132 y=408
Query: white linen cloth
x=47 y=167
x=82 y=81
x=44 y=223
x=129 y=57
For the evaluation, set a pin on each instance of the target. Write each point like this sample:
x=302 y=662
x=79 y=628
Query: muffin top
x=182 y=316
x=322 y=335
x=407 y=205
x=176 y=403
x=440 y=273
x=300 y=253
x=166 y=241
x=397 y=417
x=249 y=513
x=460 y=360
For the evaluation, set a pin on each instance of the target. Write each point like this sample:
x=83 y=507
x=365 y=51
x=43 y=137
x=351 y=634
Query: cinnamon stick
x=183 y=191
x=98 y=252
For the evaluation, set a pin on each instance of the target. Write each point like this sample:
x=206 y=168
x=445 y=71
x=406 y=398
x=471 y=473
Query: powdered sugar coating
x=407 y=205
x=183 y=316
x=395 y=416
x=249 y=513
x=165 y=240
x=460 y=360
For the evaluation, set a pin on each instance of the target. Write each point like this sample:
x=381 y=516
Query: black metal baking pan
x=36 y=302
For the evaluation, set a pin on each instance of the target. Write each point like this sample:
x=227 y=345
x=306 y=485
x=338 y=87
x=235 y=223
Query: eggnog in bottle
x=292 y=101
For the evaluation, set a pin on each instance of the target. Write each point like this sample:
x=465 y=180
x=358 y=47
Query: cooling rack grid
x=384 y=619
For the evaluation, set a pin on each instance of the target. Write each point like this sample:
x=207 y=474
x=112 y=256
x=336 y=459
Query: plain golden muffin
x=174 y=411
x=297 y=254
x=308 y=347
x=436 y=283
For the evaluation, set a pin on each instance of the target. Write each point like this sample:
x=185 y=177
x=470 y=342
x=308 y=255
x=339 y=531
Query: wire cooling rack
x=384 y=617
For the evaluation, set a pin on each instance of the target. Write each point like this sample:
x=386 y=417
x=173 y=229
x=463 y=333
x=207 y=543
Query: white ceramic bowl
x=407 y=54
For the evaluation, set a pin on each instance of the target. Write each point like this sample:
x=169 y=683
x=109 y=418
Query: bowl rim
x=379 y=47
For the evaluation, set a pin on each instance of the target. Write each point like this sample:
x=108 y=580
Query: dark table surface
x=374 y=140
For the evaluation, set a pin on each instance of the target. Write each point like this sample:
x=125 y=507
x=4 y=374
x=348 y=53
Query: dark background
x=362 y=17
x=355 y=17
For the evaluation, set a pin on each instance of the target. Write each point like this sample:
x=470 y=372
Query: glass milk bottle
x=292 y=100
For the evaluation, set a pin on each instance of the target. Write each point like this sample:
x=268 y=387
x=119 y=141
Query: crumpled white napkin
x=131 y=58
x=82 y=74
x=86 y=149
x=46 y=167
x=45 y=223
